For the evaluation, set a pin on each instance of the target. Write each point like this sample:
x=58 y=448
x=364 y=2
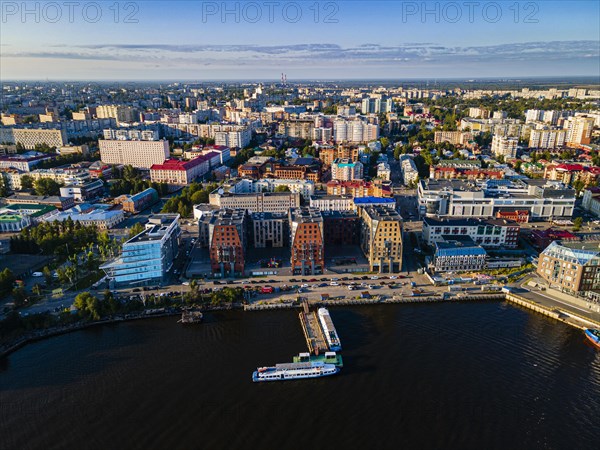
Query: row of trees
x=54 y=238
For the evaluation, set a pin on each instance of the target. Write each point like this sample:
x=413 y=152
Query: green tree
x=87 y=306
x=7 y=281
x=579 y=185
x=47 y=186
x=48 y=275
x=136 y=229
x=282 y=188
x=26 y=182
x=577 y=223
x=4 y=191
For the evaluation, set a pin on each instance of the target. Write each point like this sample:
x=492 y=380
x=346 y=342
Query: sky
x=249 y=40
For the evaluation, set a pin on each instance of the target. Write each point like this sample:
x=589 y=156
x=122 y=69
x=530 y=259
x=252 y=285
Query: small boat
x=593 y=335
x=188 y=316
x=294 y=371
x=327 y=358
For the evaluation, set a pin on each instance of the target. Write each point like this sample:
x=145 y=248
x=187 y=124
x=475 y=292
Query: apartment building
x=459 y=254
x=118 y=112
x=24 y=162
x=226 y=231
x=579 y=130
x=571 y=266
x=357 y=131
x=269 y=229
x=547 y=138
x=409 y=171
x=570 y=173
x=381 y=238
x=307 y=241
x=30 y=137
x=139 y=154
x=345 y=170
x=297 y=128
x=341 y=227
x=453 y=137
x=384 y=171
x=504 y=146
x=256 y=201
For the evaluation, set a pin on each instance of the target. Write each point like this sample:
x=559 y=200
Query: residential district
x=127 y=197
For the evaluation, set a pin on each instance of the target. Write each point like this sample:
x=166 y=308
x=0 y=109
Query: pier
x=312 y=331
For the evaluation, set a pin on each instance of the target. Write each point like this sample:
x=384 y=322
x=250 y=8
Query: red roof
x=571 y=167
x=176 y=164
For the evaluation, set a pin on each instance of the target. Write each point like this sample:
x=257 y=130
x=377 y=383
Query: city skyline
x=323 y=40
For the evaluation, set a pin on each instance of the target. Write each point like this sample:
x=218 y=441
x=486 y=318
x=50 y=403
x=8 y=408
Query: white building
x=332 y=202
x=383 y=171
x=504 y=146
x=140 y=154
x=344 y=169
x=234 y=139
x=357 y=131
x=547 y=138
x=579 y=129
x=410 y=174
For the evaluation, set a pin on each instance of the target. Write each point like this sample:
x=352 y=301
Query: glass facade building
x=148 y=256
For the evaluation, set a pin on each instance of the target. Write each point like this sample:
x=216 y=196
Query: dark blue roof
x=368 y=200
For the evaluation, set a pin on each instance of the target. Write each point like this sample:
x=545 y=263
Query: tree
x=26 y=182
x=87 y=305
x=7 y=281
x=577 y=223
x=136 y=229
x=47 y=275
x=47 y=186
x=579 y=185
x=282 y=188
x=4 y=191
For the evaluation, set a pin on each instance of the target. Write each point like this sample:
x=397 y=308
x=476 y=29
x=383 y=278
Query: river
x=431 y=376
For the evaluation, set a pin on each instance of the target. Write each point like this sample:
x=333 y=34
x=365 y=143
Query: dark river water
x=445 y=376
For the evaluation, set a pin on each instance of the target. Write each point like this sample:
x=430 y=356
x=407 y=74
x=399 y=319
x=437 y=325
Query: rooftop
x=378 y=212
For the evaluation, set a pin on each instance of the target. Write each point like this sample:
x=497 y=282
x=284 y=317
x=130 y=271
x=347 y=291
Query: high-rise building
x=147 y=257
x=226 y=233
x=119 y=112
x=381 y=238
x=30 y=137
x=306 y=241
x=140 y=154
x=547 y=138
x=579 y=129
x=345 y=169
x=504 y=146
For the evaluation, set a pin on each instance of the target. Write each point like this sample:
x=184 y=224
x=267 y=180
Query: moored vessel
x=593 y=335
x=327 y=358
x=333 y=340
x=294 y=371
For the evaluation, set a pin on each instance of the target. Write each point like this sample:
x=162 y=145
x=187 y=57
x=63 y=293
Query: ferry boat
x=593 y=336
x=189 y=316
x=329 y=330
x=327 y=358
x=294 y=371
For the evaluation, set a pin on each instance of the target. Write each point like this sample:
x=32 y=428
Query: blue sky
x=345 y=39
